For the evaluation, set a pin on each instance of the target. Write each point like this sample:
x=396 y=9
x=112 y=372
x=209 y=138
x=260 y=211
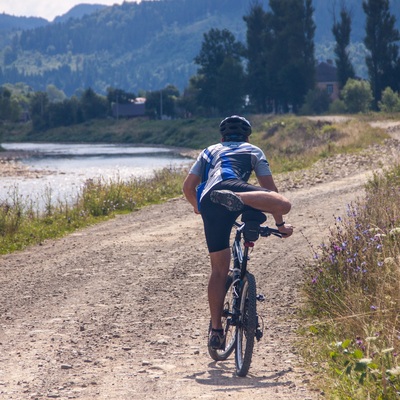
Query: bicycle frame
x=240 y=256
x=240 y=312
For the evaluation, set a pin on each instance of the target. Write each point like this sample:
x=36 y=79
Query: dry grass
x=293 y=143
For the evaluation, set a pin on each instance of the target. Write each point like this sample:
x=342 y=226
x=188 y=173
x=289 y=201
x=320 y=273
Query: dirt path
x=119 y=310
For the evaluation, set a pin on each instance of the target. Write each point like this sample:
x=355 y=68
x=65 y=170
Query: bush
x=337 y=107
x=357 y=96
x=316 y=103
x=390 y=101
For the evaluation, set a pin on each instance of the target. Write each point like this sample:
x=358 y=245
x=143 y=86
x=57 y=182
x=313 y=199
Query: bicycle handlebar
x=264 y=231
x=267 y=231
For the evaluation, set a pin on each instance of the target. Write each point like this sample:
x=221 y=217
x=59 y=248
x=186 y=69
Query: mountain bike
x=240 y=321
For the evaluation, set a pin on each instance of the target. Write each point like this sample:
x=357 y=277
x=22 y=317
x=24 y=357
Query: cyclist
x=217 y=188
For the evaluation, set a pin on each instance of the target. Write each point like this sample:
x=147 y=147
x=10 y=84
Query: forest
x=268 y=67
x=145 y=46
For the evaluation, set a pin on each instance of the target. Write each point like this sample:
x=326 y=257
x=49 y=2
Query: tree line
x=272 y=72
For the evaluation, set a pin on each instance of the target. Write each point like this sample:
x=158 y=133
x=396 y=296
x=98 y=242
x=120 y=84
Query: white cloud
x=48 y=9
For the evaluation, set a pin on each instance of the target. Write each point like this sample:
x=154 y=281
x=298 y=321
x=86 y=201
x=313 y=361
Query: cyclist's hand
x=195 y=210
x=286 y=230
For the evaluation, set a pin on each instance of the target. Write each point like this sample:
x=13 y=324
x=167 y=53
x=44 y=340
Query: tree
x=217 y=46
x=230 y=87
x=259 y=44
x=55 y=95
x=93 y=105
x=293 y=61
x=317 y=102
x=119 y=96
x=341 y=31
x=39 y=111
x=10 y=110
x=381 y=37
x=162 y=102
x=357 y=96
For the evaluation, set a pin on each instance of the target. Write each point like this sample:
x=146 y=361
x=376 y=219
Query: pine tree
x=293 y=70
x=219 y=48
x=381 y=37
x=259 y=42
x=341 y=31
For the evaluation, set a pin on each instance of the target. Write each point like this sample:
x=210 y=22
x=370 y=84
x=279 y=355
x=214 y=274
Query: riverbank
x=11 y=165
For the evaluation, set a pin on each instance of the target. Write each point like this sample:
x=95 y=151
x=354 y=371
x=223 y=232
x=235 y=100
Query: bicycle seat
x=254 y=215
x=252 y=220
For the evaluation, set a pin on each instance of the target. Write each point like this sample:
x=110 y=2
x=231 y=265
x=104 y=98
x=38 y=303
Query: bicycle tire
x=230 y=333
x=246 y=331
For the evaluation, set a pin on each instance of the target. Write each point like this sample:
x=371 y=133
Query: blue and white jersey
x=228 y=160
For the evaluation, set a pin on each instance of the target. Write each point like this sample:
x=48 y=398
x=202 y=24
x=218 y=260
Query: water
x=68 y=166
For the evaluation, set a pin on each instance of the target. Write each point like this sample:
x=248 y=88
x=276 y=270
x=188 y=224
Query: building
x=326 y=77
x=129 y=110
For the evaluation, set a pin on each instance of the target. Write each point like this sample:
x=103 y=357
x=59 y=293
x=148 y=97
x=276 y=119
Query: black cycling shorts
x=217 y=220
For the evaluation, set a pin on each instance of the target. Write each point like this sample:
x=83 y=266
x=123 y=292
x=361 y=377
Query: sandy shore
x=11 y=165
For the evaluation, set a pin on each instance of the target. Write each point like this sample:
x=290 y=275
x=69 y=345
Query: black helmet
x=235 y=126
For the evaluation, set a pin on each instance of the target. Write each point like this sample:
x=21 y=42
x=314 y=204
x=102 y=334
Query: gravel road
x=119 y=310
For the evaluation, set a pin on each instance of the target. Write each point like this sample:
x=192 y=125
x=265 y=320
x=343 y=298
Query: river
x=66 y=167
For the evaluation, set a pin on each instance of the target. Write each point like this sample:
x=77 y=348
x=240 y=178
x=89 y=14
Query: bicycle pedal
x=259 y=334
x=260 y=297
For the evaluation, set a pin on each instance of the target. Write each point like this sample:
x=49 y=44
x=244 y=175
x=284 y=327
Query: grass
x=353 y=292
x=293 y=143
x=23 y=223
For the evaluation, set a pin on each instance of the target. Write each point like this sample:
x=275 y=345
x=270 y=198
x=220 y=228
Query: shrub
x=390 y=101
x=316 y=102
x=337 y=107
x=357 y=96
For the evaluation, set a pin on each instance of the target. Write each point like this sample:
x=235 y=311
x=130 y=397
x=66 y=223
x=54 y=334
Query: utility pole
x=161 y=105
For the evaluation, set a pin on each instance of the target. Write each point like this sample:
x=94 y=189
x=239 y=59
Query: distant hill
x=11 y=23
x=147 y=45
x=79 y=11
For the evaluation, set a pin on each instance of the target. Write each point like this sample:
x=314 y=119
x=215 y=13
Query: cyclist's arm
x=267 y=182
x=189 y=190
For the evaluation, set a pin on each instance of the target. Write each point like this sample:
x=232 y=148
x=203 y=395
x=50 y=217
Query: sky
x=48 y=9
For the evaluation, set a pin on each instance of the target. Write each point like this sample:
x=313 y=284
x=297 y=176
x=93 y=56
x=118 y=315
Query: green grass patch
x=23 y=223
x=353 y=293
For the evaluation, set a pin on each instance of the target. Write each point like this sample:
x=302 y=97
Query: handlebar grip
x=267 y=231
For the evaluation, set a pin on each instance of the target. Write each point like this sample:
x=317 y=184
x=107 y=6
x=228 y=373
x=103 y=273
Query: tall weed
x=23 y=222
x=353 y=289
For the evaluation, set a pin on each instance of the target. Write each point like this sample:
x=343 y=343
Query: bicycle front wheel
x=229 y=329
x=246 y=331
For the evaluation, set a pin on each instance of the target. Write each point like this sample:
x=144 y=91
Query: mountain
x=79 y=11
x=147 y=45
x=11 y=23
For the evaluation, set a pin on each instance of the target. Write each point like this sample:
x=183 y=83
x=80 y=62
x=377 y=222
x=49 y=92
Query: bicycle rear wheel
x=246 y=331
x=229 y=329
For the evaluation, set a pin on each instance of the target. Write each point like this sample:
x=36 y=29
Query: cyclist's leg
x=270 y=202
x=256 y=197
x=218 y=222
x=220 y=261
